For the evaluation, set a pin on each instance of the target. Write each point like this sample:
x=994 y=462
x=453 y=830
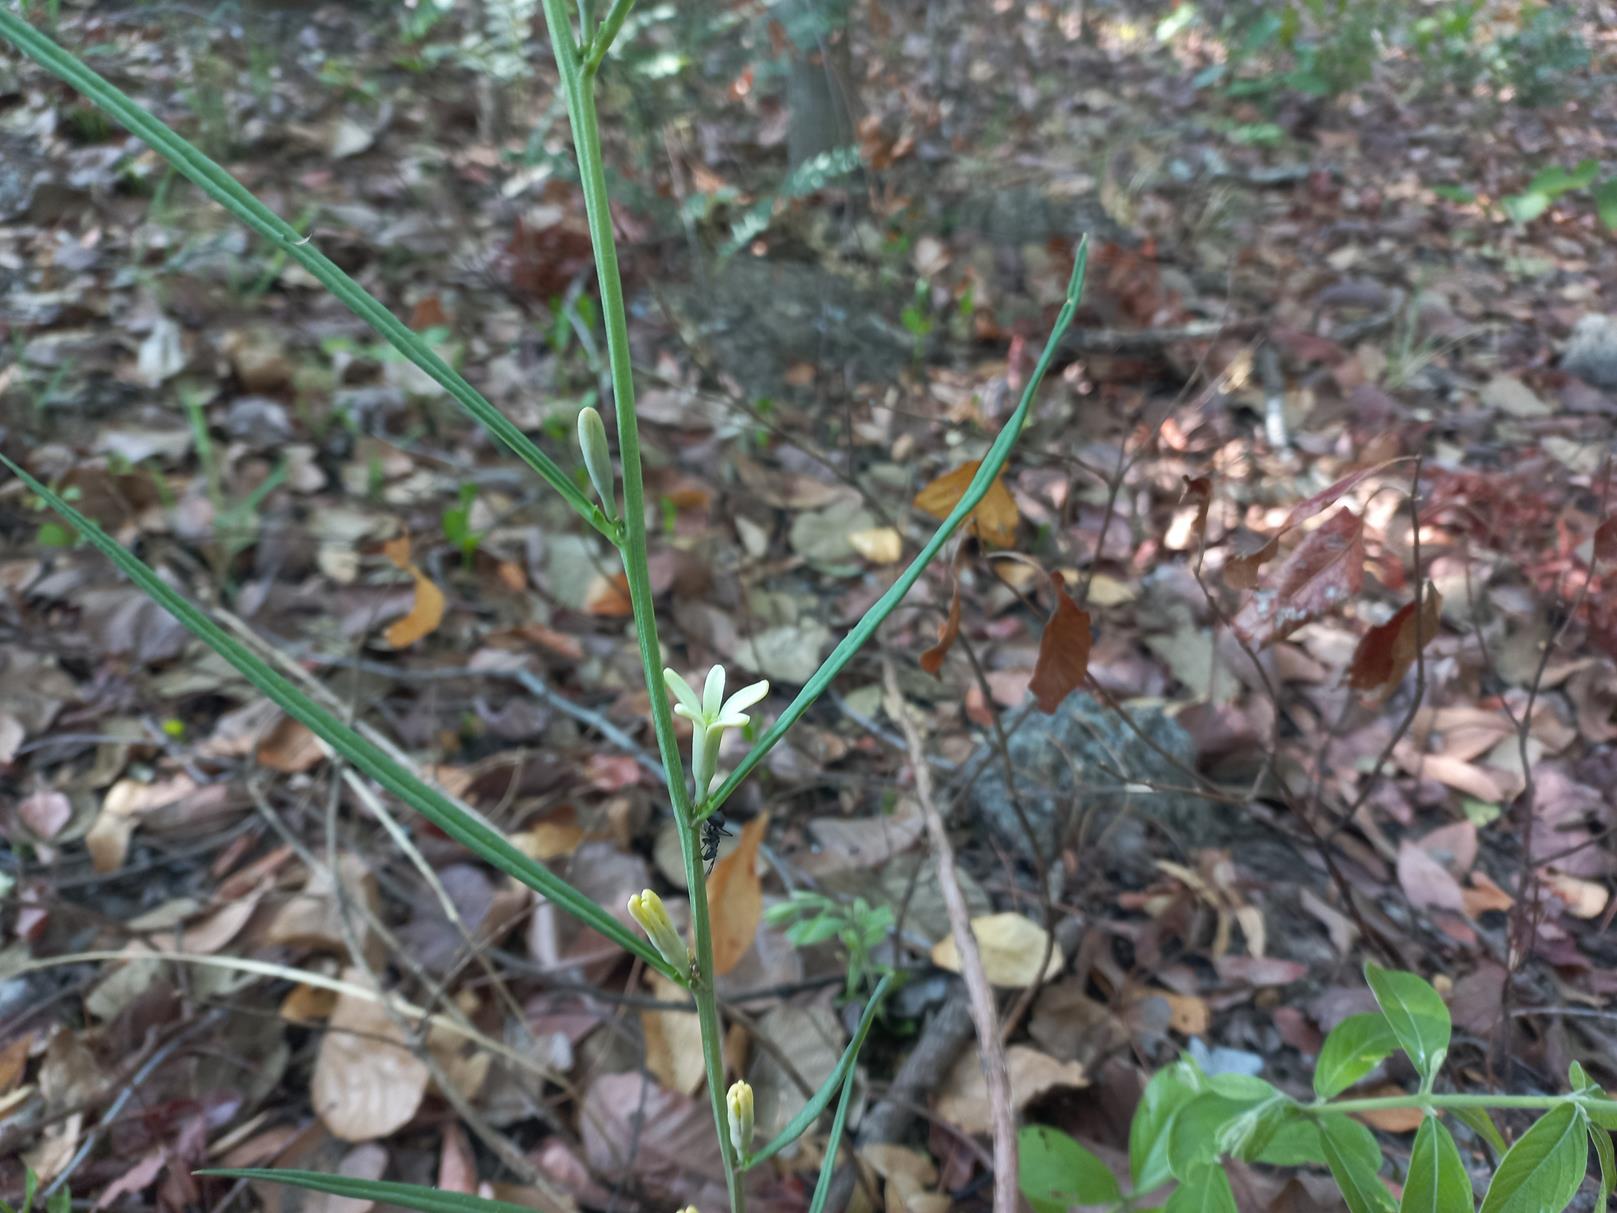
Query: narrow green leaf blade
x=1355 y=1046
x=1161 y=1100
x=1606 y=203
x=231 y=194
x=828 y=1165
x=1416 y=1013
x=1480 y=1122
x=1542 y=1172
x=1361 y=1187
x=406 y=1196
x=1437 y=1181
x=1055 y=1172
x=1205 y=1190
x=992 y=464
x=466 y=829
x=822 y=1098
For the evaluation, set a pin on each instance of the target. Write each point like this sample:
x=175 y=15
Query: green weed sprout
x=580 y=54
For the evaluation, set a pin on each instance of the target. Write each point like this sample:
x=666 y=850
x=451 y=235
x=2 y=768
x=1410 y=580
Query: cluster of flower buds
x=710 y=714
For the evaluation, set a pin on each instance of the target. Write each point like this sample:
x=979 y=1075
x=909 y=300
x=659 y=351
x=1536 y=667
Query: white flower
x=710 y=715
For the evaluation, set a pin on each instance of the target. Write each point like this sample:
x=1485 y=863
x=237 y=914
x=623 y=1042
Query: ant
x=714 y=830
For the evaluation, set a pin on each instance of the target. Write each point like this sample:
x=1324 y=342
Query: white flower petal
x=713 y=691
x=681 y=690
x=694 y=715
x=746 y=697
x=729 y=720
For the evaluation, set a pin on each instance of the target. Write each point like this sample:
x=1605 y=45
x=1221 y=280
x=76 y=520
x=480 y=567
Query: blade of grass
x=822 y=1189
x=224 y=189
x=483 y=839
x=373 y=1191
x=855 y=640
x=805 y=1119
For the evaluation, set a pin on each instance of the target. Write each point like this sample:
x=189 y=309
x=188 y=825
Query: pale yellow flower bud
x=598 y=459
x=739 y=1101
x=648 y=910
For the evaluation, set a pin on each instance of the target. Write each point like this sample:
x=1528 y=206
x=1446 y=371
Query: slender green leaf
x=406 y=1196
x=992 y=463
x=1355 y=1046
x=803 y=1120
x=1055 y=1172
x=465 y=828
x=1205 y=1190
x=828 y=1165
x=1480 y=1122
x=224 y=189
x=1542 y=1172
x=1161 y=1100
x=1361 y=1187
x=1606 y=203
x=1555 y=180
x=1600 y=1139
x=1437 y=1181
x=1416 y=1013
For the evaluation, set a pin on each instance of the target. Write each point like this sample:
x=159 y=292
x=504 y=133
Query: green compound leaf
x=1437 y=1181
x=1159 y=1103
x=1055 y=1172
x=1361 y=1187
x=1542 y=1172
x=1601 y=1140
x=464 y=827
x=1355 y=1046
x=405 y=1196
x=1205 y=1190
x=1416 y=1013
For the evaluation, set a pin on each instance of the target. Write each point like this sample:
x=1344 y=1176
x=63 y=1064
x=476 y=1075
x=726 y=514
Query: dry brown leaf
x=994 y=520
x=1583 y=898
x=1426 y=882
x=289 y=747
x=608 y=597
x=1606 y=541
x=673 y=1040
x=45 y=813
x=367 y=1083
x=1199 y=492
x=879 y=545
x=1012 y=948
x=932 y=659
x=1063 y=651
x=1241 y=571
x=457 y=1165
x=1320 y=575
x=426 y=610
x=736 y=898
x=963 y=1097
x=1188 y=1014
x=308 y=1004
x=1485 y=895
x=1387 y=650
x=14 y=1060
x=1391 y=1120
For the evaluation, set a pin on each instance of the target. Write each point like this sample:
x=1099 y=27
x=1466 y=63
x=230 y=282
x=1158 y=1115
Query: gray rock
x=1084 y=764
x=1591 y=355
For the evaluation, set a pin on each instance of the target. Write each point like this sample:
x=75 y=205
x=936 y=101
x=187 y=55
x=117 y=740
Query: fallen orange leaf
x=736 y=897
x=996 y=517
x=427 y=609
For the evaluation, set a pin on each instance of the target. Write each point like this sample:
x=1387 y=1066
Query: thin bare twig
x=980 y=997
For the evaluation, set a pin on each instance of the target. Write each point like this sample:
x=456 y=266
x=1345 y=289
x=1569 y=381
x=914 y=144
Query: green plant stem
x=1382 y=1102
x=602 y=41
x=231 y=194
x=578 y=88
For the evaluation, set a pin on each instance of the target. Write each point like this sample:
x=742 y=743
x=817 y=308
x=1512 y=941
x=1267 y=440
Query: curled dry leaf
x=1013 y=947
x=1198 y=492
x=995 y=519
x=1606 y=541
x=963 y=1098
x=1388 y=650
x=932 y=659
x=1063 y=651
x=736 y=897
x=673 y=1040
x=1322 y=572
x=426 y=611
x=367 y=1083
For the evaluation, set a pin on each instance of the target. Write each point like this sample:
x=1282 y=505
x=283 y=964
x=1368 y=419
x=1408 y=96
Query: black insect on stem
x=714 y=831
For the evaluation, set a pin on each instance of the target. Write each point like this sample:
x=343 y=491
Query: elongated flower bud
x=648 y=910
x=739 y=1101
x=598 y=459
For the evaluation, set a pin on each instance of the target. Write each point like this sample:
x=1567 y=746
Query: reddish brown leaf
x=1063 y=651
x=1241 y=571
x=1606 y=540
x=932 y=659
x=1388 y=649
x=736 y=897
x=1304 y=510
x=1322 y=572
